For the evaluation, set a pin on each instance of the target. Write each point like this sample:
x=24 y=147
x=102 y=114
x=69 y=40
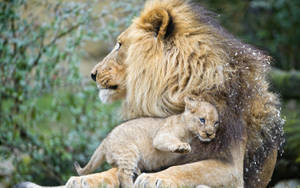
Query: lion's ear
x=158 y=21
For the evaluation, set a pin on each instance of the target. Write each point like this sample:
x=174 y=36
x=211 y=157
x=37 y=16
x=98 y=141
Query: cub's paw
x=154 y=181
x=181 y=148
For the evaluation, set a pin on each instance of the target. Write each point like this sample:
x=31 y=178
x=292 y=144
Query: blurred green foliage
x=50 y=115
x=271 y=25
x=288 y=167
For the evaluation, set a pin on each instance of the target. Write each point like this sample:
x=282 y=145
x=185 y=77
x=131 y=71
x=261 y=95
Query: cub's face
x=202 y=120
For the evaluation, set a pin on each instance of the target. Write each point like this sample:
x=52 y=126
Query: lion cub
x=148 y=144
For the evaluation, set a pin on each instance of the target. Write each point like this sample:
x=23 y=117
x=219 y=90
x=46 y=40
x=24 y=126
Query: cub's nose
x=208 y=134
x=94 y=75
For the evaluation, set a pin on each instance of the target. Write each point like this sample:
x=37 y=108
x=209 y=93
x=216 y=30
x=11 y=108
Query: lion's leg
x=107 y=179
x=212 y=173
x=266 y=173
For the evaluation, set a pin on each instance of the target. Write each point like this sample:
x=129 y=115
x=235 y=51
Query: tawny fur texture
x=147 y=144
x=176 y=48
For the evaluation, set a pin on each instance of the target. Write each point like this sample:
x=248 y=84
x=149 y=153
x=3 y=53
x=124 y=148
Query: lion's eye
x=202 y=120
x=118 y=45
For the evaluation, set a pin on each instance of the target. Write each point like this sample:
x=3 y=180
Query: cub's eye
x=217 y=124
x=202 y=120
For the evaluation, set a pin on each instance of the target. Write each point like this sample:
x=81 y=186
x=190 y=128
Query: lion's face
x=202 y=119
x=162 y=57
x=110 y=73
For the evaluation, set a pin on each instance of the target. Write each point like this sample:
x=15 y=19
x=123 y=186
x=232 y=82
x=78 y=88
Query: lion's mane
x=195 y=56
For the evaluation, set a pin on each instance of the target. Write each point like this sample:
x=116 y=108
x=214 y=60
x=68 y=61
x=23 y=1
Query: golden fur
x=174 y=49
x=147 y=144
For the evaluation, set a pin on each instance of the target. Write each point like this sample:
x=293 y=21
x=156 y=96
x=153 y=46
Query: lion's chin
x=107 y=95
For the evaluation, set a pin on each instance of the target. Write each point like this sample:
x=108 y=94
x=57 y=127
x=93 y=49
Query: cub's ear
x=158 y=21
x=189 y=99
x=190 y=104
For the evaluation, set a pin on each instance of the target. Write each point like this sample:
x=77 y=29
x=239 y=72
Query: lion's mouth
x=113 y=87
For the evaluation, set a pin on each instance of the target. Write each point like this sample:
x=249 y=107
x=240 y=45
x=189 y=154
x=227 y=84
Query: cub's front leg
x=168 y=142
x=125 y=178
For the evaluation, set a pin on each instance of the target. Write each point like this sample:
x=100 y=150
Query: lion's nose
x=94 y=75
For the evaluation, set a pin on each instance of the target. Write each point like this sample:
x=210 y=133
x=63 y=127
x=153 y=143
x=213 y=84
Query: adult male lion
x=176 y=49
x=173 y=49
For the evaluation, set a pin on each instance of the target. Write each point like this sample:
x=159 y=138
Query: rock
x=294 y=183
x=33 y=185
x=26 y=185
x=6 y=167
x=202 y=186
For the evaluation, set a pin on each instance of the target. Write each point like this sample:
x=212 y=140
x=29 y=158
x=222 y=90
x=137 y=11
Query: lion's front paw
x=97 y=182
x=92 y=181
x=180 y=148
x=154 y=181
x=74 y=182
x=84 y=183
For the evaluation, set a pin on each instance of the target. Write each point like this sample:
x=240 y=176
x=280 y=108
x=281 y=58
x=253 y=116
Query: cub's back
x=139 y=132
x=132 y=143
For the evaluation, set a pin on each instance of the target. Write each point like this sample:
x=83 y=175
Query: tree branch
x=62 y=34
x=287 y=84
x=53 y=41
